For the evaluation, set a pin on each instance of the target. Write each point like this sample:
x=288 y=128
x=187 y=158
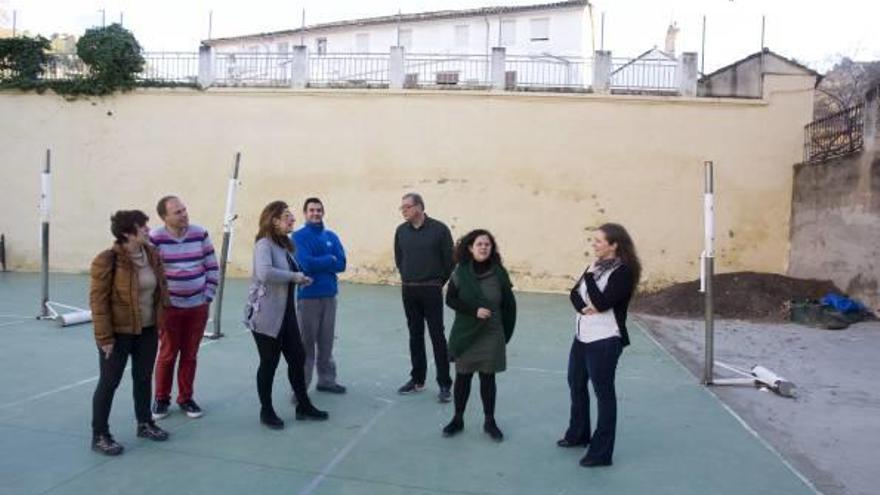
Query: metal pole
x=45 y=205
x=602 y=34
x=229 y=217
x=210 y=22
x=103 y=18
x=14 y=22
x=703 y=49
x=3 y=251
x=709 y=270
x=302 y=38
x=763 y=26
x=121 y=19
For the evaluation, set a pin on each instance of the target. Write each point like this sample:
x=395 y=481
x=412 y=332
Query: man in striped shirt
x=192 y=272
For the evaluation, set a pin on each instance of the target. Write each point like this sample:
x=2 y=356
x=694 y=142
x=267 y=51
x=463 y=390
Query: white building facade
x=562 y=29
x=543 y=46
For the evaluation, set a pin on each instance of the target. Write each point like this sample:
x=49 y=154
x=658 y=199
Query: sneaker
x=271 y=420
x=310 y=412
x=152 y=432
x=491 y=429
x=410 y=387
x=445 y=395
x=160 y=409
x=454 y=426
x=104 y=444
x=191 y=409
x=332 y=389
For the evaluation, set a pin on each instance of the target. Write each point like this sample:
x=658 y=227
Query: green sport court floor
x=674 y=437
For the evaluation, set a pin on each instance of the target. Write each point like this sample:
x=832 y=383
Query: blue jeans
x=595 y=362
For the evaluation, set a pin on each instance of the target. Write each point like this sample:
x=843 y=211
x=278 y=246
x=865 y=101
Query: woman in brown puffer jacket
x=128 y=291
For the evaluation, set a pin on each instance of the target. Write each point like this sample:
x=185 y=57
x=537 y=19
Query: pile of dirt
x=740 y=295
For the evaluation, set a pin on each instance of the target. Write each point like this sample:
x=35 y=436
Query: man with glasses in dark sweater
x=423 y=255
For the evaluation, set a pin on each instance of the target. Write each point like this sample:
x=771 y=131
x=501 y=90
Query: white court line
x=538 y=370
x=17 y=316
x=733 y=413
x=308 y=489
x=9 y=323
x=71 y=385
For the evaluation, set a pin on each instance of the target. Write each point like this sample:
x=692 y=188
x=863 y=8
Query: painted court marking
x=15 y=322
x=70 y=386
x=308 y=489
x=736 y=416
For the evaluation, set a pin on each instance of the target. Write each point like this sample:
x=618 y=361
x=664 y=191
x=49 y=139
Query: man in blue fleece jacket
x=321 y=256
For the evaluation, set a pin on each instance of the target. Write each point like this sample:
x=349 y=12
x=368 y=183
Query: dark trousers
x=142 y=349
x=595 y=362
x=289 y=343
x=421 y=304
x=462 y=391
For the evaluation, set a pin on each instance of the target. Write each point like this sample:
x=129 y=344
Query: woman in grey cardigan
x=270 y=313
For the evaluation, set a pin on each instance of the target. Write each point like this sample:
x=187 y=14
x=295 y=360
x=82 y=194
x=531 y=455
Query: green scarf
x=466 y=328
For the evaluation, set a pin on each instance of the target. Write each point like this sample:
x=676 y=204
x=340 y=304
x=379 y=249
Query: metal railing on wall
x=547 y=71
x=446 y=70
x=396 y=69
x=644 y=74
x=348 y=69
x=834 y=136
x=251 y=69
x=180 y=67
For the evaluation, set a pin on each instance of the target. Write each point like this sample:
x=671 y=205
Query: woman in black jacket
x=600 y=298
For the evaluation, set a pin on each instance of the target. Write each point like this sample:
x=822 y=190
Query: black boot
x=309 y=411
x=491 y=429
x=270 y=419
x=454 y=426
x=103 y=443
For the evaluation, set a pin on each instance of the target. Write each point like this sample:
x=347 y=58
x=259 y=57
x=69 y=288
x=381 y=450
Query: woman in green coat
x=485 y=313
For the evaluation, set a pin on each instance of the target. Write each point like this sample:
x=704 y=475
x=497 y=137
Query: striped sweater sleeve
x=212 y=268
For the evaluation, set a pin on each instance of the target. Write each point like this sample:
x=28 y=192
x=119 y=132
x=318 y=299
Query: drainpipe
x=488 y=53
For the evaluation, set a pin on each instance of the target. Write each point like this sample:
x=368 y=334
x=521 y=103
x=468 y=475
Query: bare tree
x=845 y=86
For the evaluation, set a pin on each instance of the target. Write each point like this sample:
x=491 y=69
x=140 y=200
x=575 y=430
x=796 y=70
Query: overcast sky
x=812 y=32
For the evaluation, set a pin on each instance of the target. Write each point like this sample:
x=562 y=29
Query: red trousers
x=180 y=333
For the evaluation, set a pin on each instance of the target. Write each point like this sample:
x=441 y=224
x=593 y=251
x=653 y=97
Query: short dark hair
x=311 y=200
x=161 y=208
x=127 y=222
x=416 y=197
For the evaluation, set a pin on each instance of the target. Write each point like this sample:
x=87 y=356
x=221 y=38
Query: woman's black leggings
x=289 y=343
x=462 y=390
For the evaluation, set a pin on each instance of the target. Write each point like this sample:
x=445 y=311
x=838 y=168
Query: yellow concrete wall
x=539 y=170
